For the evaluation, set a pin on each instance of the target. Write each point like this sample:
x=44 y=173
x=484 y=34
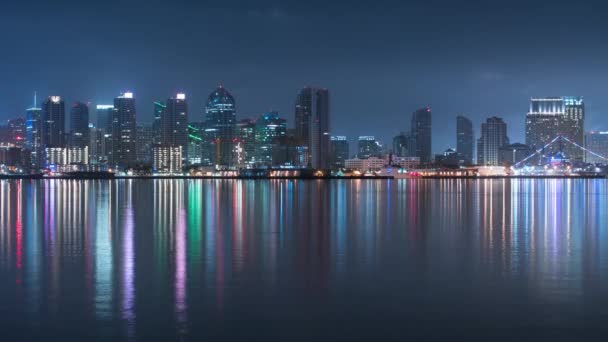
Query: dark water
x=304 y=260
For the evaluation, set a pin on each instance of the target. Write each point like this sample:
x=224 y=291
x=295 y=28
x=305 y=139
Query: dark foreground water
x=286 y=260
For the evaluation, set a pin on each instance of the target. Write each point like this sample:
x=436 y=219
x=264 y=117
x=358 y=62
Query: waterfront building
x=312 y=119
x=367 y=164
x=514 y=153
x=465 y=138
x=421 y=133
x=596 y=142
x=159 y=109
x=221 y=125
x=551 y=117
x=450 y=158
x=246 y=142
x=17 y=132
x=271 y=138
x=145 y=142
x=33 y=123
x=167 y=159
x=369 y=147
x=174 y=123
x=124 y=131
x=339 y=151
x=79 y=124
x=401 y=145
x=53 y=122
x=493 y=137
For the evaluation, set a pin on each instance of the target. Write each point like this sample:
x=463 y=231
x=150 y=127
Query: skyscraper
x=79 y=124
x=246 y=142
x=421 y=128
x=312 y=125
x=124 y=131
x=493 y=137
x=551 y=117
x=53 y=122
x=339 y=151
x=174 y=123
x=17 y=132
x=465 y=138
x=221 y=124
x=401 y=145
x=145 y=142
x=33 y=127
x=159 y=109
x=270 y=138
x=302 y=116
x=104 y=117
x=368 y=147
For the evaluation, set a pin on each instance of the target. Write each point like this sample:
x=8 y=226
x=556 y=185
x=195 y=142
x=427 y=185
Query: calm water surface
x=194 y=260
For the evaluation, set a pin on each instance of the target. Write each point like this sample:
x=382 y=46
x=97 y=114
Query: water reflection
x=170 y=258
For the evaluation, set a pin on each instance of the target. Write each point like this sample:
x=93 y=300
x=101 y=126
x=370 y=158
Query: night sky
x=380 y=59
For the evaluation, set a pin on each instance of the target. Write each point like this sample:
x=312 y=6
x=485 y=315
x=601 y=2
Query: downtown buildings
x=465 y=138
x=421 y=135
x=312 y=127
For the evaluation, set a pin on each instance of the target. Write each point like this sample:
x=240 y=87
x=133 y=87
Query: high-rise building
x=340 y=150
x=159 y=109
x=596 y=142
x=368 y=147
x=145 y=142
x=167 y=159
x=246 y=142
x=493 y=137
x=79 y=124
x=53 y=122
x=17 y=131
x=401 y=145
x=421 y=133
x=33 y=127
x=465 y=138
x=105 y=115
x=312 y=126
x=270 y=138
x=174 y=123
x=124 y=131
x=221 y=125
x=551 y=117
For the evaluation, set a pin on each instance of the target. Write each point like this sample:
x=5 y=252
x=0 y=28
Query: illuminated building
x=145 y=142
x=270 y=138
x=368 y=164
x=174 y=123
x=450 y=158
x=124 y=131
x=53 y=122
x=79 y=123
x=33 y=122
x=246 y=139
x=493 y=137
x=596 y=142
x=369 y=147
x=312 y=116
x=221 y=124
x=159 y=109
x=77 y=155
x=421 y=133
x=17 y=131
x=465 y=138
x=340 y=150
x=167 y=159
x=551 y=117
x=195 y=143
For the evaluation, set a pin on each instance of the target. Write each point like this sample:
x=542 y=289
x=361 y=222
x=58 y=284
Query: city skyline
x=461 y=59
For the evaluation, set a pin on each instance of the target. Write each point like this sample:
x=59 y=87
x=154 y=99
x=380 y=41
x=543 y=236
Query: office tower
x=493 y=137
x=221 y=125
x=514 y=153
x=339 y=151
x=53 y=122
x=422 y=135
x=551 y=117
x=401 y=145
x=17 y=132
x=596 y=142
x=105 y=114
x=33 y=127
x=246 y=142
x=270 y=138
x=79 y=124
x=465 y=138
x=312 y=119
x=174 y=123
x=97 y=153
x=145 y=142
x=159 y=109
x=167 y=159
x=195 y=143
x=124 y=130
x=368 y=147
